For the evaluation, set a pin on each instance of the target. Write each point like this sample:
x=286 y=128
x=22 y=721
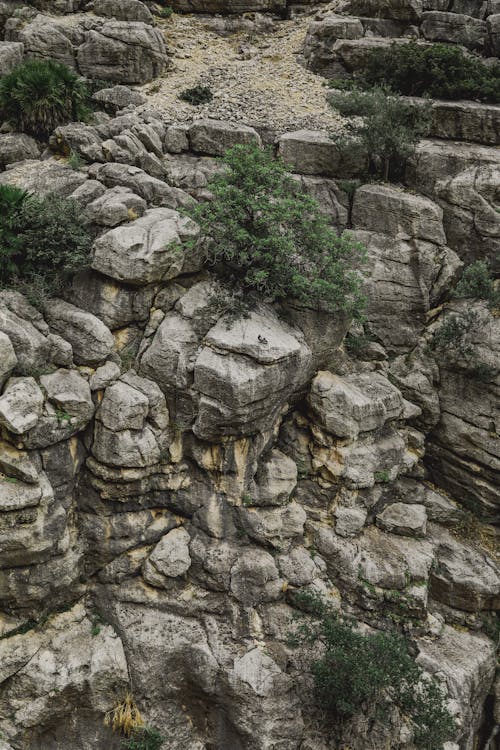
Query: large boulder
x=123 y=51
x=43 y=177
x=17 y=147
x=123 y=10
x=146 y=250
x=438 y=26
x=91 y=340
x=215 y=137
x=11 y=55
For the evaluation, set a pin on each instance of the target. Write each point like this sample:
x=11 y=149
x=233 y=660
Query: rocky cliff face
x=171 y=479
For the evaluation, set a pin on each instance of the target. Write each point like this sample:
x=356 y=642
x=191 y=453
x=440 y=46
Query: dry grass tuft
x=125 y=717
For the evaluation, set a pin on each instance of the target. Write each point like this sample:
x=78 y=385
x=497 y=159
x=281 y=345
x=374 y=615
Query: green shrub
x=366 y=673
x=43 y=241
x=439 y=70
x=265 y=235
x=478 y=282
x=456 y=336
x=39 y=95
x=386 y=128
x=197 y=95
x=144 y=738
x=166 y=12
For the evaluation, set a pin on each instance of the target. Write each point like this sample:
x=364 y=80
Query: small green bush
x=478 y=282
x=144 y=738
x=386 y=128
x=366 y=673
x=441 y=71
x=166 y=12
x=43 y=241
x=197 y=95
x=266 y=236
x=39 y=95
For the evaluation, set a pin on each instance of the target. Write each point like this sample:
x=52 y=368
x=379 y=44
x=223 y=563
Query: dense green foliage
x=365 y=673
x=442 y=71
x=478 y=282
x=43 y=240
x=39 y=95
x=386 y=128
x=266 y=235
x=144 y=738
x=197 y=95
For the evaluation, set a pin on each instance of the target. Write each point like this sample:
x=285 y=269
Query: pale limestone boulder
x=169 y=359
x=123 y=51
x=134 y=448
x=313 y=152
x=17 y=147
x=113 y=303
x=17 y=464
x=154 y=191
x=47 y=38
x=298 y=567
x=123 y=408
x=255 y=578
x=91 y=340
x=79 y=138
x=349 y=521
x=8 y=357
x=464 y=577
x=215 y=137
x=123 y=10
x=493 y=28
x=346 y=406
x=274 y=526
x=31 y=347
x=116 y=206
x=11 y=55
x=400 y=518
x=16 y=495
x=42 y=671
x=322 y=35
x=438 y=26
x=21 y=405
x=471 y=213
x=398 y=213
x=275 y=480
x=245 y=374
x=118 y=97
x=468 y=680
x=70 y=393
x=145 y=250
x=43 y=177
x=170 y=558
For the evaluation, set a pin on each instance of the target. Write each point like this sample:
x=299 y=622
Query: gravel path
x=255 y=77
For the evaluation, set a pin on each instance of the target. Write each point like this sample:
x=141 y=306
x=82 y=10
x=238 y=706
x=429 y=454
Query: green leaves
x=442 y=71
x=43 y=240
x=367 y=673
x=386 y=128
x=39 y=95
x=262 y=232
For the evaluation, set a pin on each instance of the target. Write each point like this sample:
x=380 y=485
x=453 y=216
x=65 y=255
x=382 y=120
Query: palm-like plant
x=39 y=95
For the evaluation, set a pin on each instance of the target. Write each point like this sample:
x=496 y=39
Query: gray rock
x=493 y=28
x=11 y=55
x=134 y=448
x=17 y=464
x=118 y=97
x=464 y=578
x=7 y=358
x=406 y=10
x=311 y=152
x=122 y=51
x=17 y=147
x=153 y=190
x=438 y=26
x=407 y=520
x=20 y=405
x=16 y=495
x=123 y=408
x=349 y=521
x=215 y=137
x=77 y=138
x=104 y=376
x=298 y=567
x=47 y=38
x=400 y=214
x=255 y=578
x=274 y=526
x=70 y=393
x=114 y=304
x=353 y=404
x=43 y=177
x=170 y=557
x=123 y=10
x=91 y=340
x=146 y=250
x=322 y=35
x=275 y=480
x=176 y=139
x=116 y=206
x=220 y=6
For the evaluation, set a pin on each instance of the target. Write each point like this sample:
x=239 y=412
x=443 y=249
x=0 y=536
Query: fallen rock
x=215 y=137
x=407 y=520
